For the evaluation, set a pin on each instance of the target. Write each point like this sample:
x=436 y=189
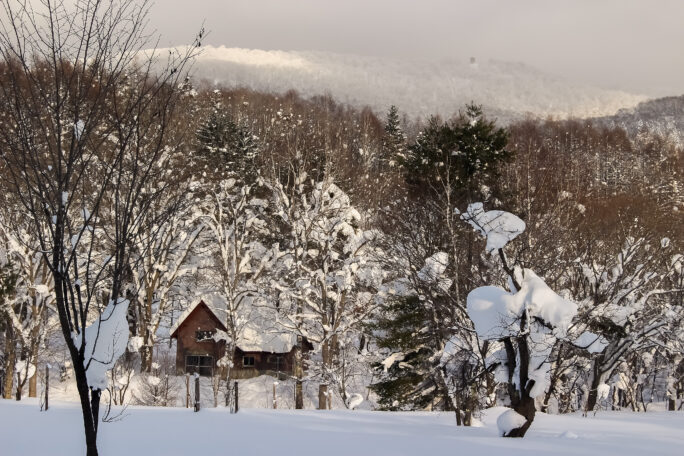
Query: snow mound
x=355 y=401
x=509 y=420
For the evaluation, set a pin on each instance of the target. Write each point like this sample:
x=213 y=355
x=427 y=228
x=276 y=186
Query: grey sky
x=637 y=45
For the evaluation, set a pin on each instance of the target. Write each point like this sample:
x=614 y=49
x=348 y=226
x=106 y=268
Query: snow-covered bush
x=526 y=321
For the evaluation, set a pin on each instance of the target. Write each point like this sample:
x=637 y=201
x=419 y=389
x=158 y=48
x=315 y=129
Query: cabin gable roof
x=196 y=306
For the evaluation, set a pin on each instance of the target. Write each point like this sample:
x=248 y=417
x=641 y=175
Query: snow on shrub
x=106 y=340
x=499 y=227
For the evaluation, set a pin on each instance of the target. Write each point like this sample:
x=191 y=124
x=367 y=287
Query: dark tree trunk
x=19 y=387
x=468 y=418
x=89 y=420
x=299 y=373
x=526 y=408
x=521 y=401
x=146 y=358
x=95 y=406
x=671 y=404
x=10 y=360
x=592 y=398
x=299 y=395
x=457 y=410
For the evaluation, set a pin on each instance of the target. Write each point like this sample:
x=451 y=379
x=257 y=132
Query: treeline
x=345 y=228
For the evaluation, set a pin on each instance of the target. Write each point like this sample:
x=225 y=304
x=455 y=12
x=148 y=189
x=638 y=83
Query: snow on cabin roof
x=271 y=340
x=211 y=302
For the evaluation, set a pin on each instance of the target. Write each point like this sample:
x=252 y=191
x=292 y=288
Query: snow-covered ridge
x=419 y=88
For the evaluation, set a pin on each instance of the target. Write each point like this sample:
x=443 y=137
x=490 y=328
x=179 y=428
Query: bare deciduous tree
x=86 y=112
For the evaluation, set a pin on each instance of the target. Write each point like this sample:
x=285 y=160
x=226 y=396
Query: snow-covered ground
x=24 y=430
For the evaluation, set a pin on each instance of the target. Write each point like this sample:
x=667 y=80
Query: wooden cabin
x=259 y=351
x=196 y=350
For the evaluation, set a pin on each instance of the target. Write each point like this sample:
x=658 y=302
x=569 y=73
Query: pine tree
x=215 y=134
x=462 y=156
x=409 y=379
x=225 y=146
x=394 y=140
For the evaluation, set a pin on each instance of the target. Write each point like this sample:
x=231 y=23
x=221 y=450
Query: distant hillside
x=663 y=115
x=507 y=90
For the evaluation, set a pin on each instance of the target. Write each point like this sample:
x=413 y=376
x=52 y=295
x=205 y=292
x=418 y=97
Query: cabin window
x=203 y=365
x=248 y=361
x=201 y=336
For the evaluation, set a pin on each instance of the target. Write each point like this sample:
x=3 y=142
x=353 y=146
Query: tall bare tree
x=86 y=112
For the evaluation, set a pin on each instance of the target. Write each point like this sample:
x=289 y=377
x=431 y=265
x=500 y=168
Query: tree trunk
x=33 y=352
x=323 y=386
x=10 y=360
x=521 y=401
x=146 y=358
x=299 y=373
x=526 y=408
x=95 y=406
x=671 y=404
x=592 y=398
x=322 y=396
x=89 y=419
x=33 y=385
x=19 y=387
x=299 y=396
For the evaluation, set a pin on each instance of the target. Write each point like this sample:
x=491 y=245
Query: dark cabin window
x=202 y=365
x=201 y=336
x=248 y=361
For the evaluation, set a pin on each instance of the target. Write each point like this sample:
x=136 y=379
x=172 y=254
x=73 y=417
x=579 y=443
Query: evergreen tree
x=225 y=146
x=214 y=135
x=461 y=157
x=393 y=140
x=409 y=378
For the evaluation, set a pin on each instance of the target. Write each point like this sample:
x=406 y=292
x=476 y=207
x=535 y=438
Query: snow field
x=178 y=431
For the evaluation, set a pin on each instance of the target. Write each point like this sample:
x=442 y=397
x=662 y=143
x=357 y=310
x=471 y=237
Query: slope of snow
x=179 y=431
x=419 y=88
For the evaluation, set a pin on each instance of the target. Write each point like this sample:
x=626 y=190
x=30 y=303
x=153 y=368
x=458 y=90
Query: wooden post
x=18 y=395
x=197 y=393
x=47 y=384
x=187 y=390
x=275 y=401
x=237 y=406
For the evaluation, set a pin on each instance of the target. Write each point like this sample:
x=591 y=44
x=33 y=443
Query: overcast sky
x=636 y=45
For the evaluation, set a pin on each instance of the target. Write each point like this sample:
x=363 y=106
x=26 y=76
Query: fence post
x=237 y=406
x=47 y=384
x=197 y=393
x=275 y=400
x=187 y=390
